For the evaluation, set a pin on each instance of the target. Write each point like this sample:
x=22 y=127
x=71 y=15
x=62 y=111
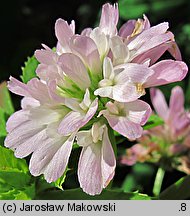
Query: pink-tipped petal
x=129 y=123
x=89 y=169
x=86 y=48
x=47 y=57
x=156 y=52
x=108 y=162
x=16 y=120
x=28 y=102
x=86 y=32
x=43 y=155
x=21 y=133
x=167 y=71
x=127 y=28
x=75 y=120
x=126 y=93
x=109 y=19
x=35 y=89
x=179 y=120
x=74 y=68
x=63 y=32
x=153 y=54
x=18 y=87
x=174 y=51
x=136 y=73
x=138 y=111
x=58 y=163
x=52 y=89
x=132 y=28
x=151 y=43
x=147 y=35
x=159 y=103
x=96 y=164
x=125 y=127
x=31 y=144
x=39 y=91
x=177 y=100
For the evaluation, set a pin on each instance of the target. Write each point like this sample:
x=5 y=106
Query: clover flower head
x=89 y=85
x=170 y=140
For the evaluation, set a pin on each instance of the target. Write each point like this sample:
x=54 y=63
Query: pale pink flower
x=152 y=41
x=127 y=118
x=175 y=116
x=100 y=62
x=127 y=82
x=168 y=140
x=64 y=32
x=38 y=128
x=97 y=162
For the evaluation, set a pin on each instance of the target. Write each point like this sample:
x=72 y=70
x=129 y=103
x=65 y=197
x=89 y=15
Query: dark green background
x=25 y=24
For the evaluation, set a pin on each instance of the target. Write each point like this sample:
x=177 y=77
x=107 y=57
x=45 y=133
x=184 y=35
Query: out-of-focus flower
x=67 y=95
x=170 y=140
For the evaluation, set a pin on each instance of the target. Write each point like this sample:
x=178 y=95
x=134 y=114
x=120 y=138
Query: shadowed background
x=25 y=24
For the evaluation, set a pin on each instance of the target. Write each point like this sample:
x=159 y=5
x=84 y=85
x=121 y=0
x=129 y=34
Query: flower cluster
x=168 y=141
x=91 y=83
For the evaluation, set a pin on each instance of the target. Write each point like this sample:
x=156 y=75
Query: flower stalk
x=158 y=181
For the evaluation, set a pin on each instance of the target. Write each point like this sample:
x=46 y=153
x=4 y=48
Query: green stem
x=158 y=181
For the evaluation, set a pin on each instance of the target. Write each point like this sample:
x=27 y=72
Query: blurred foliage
x=139 y=178
x=5 y=99
x=3 y=131
x=131 y=9
x=6 y=108
x=153 y=121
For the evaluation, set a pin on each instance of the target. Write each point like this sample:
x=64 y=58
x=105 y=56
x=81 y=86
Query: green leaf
x=5 y=99
x=78 y=194
x=3 y=131
x=58 y=183
x=20 y=178
x=26 y=193
x=15 y=181
x=153 y=121
x=178 y=191
x=9 y=161
x=29 y=70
